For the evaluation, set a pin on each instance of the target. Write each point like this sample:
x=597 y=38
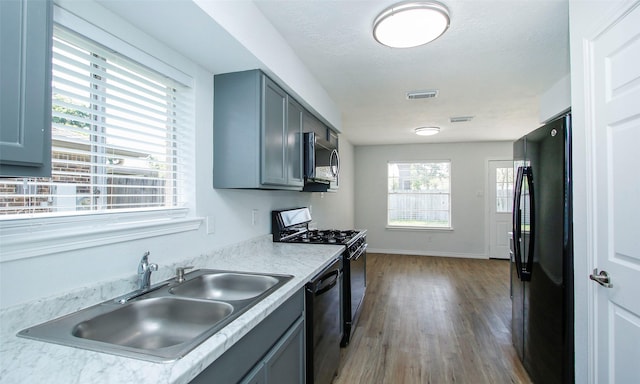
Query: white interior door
x=613 y=70
x=500 y=206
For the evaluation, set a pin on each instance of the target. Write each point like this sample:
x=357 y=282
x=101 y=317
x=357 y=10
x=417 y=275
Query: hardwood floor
x=433 y=320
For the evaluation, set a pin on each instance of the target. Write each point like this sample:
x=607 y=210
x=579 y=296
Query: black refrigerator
x=542 y=253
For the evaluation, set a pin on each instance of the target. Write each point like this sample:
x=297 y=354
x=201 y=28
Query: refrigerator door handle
x=517 y=221
x=527 y=268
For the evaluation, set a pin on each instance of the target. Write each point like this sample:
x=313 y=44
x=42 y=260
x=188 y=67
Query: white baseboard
x=428 y=253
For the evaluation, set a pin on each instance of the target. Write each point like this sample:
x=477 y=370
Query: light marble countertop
x=30 y=361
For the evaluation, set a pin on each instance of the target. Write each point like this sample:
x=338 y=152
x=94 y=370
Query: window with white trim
x=419 y=194
x=504 y=190
x=117 y=134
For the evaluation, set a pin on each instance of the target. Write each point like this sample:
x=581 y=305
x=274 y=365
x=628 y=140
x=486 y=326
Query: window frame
x=32 y=235
x=509 y=197
x=421 y=227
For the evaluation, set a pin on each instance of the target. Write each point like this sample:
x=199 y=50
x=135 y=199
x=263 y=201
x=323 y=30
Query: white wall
x=585 y=17
x=556 y=100
x=469 y=162
x=278 y=58
x=23 y=280
x=337 y=209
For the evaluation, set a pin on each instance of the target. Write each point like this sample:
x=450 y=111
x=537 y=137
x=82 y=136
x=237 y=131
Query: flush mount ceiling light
x=427 y=131
x=411 y=24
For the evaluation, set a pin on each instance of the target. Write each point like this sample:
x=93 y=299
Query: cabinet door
x=273 y=134
x=246 y=361
x=313 y=124
x=294 y=143
x=285 y=364
x=256 y=376
x=25 y=97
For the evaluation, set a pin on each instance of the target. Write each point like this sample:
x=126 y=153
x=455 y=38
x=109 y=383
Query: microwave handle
x=334 y=163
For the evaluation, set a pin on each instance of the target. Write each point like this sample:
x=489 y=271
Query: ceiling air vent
x=460 y=119
x=428 y=94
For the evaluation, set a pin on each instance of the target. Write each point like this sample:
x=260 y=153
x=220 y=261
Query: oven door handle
x=360 y=252
x=333 y=275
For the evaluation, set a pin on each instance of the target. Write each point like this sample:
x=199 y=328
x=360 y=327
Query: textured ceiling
x=493 y=63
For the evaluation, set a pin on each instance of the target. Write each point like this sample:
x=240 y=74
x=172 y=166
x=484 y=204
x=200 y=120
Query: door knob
x=601 y=278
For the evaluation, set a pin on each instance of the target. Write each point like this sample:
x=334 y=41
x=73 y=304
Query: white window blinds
x=118 y=131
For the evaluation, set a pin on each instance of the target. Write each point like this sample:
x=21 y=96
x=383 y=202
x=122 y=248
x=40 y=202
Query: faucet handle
x=144 y=263
x=180 y=273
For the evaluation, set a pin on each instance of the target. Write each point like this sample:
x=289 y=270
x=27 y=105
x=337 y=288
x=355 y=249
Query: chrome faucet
x=144 y=272
x=144 y=280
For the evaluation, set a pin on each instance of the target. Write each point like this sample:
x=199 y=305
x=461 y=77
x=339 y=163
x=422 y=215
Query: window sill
x=32 y=237
x=412 y=228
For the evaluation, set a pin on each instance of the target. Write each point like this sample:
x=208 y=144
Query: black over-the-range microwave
x=321 y=161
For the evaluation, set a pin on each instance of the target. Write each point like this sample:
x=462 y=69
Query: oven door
x=355 y=284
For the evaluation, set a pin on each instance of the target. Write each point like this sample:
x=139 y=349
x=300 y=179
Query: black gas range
x=292 y=226
x=326 y=236
x=353 y=239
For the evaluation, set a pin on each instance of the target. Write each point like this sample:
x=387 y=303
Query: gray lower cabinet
x=257 y=139
x=284 y=364
x=273 y=352
x=26 y=38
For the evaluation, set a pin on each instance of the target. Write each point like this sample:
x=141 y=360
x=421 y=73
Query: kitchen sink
x=153 y=323
x=166 y=321
x=225 y=286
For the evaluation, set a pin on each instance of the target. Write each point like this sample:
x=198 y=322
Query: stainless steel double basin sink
x=165 y=323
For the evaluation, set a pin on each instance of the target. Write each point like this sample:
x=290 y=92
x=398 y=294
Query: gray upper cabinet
x=26 y=30
x=274 y=130
x=294 y=143
x=257 y=133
